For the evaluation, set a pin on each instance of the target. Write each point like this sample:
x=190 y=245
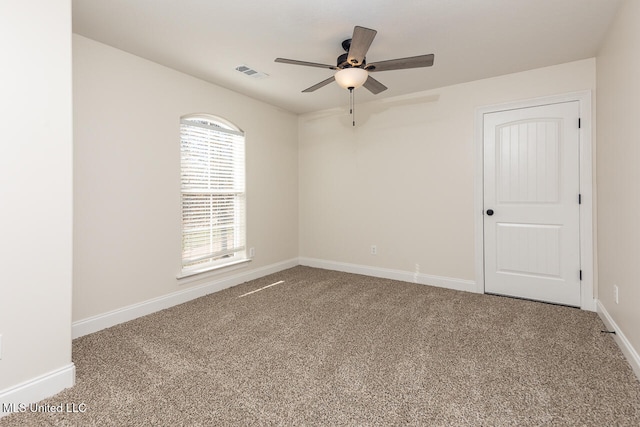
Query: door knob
x=489 y=212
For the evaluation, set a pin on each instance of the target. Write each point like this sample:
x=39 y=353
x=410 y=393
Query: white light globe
x=351 y=77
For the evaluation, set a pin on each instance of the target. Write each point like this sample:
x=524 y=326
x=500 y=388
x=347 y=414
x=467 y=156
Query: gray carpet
x=328 y=348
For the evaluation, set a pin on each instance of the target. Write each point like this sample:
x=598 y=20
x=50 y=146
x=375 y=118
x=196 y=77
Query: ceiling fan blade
x=308 y=64
x=319 y=85
x=402 y=63
x=374 y=86
x=360 y=42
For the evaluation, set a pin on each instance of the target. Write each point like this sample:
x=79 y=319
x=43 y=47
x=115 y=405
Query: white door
x=531 y=196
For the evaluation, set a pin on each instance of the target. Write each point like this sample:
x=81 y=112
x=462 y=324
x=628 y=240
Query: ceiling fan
x=352 y=68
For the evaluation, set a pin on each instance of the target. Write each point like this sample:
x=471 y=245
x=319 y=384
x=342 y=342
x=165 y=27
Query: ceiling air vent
x=251 y=72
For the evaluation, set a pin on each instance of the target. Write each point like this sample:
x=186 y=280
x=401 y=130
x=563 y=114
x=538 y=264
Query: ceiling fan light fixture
x=349 y=78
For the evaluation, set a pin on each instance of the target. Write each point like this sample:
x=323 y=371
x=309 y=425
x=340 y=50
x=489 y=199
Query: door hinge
x=579 y=199
x=579 y=123
x=580 y=274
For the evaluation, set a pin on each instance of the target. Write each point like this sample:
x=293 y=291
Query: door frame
x=587 y=297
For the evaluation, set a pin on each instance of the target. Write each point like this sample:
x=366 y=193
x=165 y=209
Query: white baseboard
x=627 y=349
x=385 y=273
x=36 y=389
x=589 y=304
x=124 y=314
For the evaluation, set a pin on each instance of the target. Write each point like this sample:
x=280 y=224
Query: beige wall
x=35 y=189
x=127 y=176
x=618 y=156
x=403 y=178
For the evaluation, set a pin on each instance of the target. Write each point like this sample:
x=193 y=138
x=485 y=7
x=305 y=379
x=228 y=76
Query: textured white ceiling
x=471 y=39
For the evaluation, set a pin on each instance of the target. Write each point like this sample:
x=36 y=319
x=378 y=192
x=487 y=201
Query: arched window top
x=211 y=121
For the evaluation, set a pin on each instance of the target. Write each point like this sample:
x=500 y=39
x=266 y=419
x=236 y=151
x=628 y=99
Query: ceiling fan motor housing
x=342 y=62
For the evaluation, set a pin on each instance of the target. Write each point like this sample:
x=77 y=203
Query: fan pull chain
x=352 y=106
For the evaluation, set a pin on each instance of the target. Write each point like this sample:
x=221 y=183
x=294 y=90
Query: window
x=213 y=193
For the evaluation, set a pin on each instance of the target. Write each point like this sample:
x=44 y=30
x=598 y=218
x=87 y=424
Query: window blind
x=213 y=193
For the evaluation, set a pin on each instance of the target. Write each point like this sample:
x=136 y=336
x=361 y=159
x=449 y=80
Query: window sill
x=189 y=276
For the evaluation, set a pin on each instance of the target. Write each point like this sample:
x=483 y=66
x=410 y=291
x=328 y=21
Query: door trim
x=587 y=297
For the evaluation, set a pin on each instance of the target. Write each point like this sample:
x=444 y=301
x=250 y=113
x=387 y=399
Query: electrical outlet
x=374 y=250
x=252 y=252
x=615 y=293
